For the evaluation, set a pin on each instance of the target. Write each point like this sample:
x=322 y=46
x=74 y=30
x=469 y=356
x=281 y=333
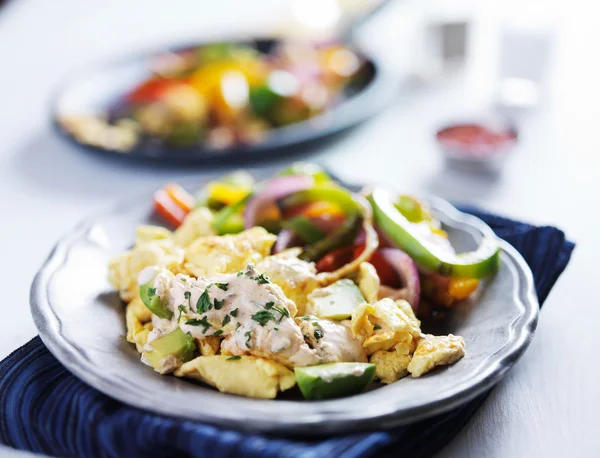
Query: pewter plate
x=81 y=321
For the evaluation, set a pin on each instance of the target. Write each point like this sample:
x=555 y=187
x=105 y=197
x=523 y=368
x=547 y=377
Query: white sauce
x=262 y=324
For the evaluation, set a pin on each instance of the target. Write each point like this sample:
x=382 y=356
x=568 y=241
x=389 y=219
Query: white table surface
x=547 y=405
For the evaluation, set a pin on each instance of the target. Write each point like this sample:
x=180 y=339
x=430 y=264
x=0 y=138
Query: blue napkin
x=45 y=409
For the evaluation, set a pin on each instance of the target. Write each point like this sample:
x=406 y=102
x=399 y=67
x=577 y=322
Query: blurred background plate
x=98 y=92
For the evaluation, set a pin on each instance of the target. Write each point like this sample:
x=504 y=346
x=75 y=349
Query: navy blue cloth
x=45 y=409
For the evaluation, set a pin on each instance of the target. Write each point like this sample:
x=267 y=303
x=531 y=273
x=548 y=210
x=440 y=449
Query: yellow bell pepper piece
x=226 y=193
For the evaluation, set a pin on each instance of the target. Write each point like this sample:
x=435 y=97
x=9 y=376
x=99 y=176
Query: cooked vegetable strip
x=344 y=235
x=173 y=203
x=371 y=244
x=305 y=229
x=325 y=193
x=430 y=250
x=229 y=220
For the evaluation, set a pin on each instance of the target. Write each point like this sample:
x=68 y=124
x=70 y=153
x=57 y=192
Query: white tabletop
x=546 y=406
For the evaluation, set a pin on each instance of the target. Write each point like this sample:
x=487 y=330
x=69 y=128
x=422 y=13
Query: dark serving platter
x=96 y=90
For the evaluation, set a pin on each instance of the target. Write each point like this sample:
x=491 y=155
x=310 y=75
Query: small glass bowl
x=480 y=147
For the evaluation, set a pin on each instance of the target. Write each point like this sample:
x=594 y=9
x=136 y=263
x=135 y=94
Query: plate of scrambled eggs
x=281 y=301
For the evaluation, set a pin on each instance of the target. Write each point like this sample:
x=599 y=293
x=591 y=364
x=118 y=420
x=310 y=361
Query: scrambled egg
x=435 y=351
x=213 y=255
x=368 y=281
x=138 y=319
x=198 y=223
x=390 y=365
x=243 y=375
x=297 y=278
x=124 y=269
x=385 y=324
x=150 y=233
x=209 y=346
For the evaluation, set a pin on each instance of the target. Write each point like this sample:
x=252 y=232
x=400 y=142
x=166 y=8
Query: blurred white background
x=547 y=404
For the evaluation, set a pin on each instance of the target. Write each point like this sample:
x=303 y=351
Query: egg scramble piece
x=250 y=317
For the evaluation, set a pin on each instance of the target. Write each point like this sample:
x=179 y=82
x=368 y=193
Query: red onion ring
x=406 y=269
x=285 y=240
x=275 y=189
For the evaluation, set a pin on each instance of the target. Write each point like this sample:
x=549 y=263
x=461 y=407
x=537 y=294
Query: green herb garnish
x=203 y=304
x=249 y=337
x=262 y=279
x=318 y=334
x=219 y=304
x=151 y=292
x=203 y=322
x=222 y=286
x=240 y=273
x=262 y=317
x=269 y=305
x=237 y=326
x=233 y=313
x=181 y=309
x=226 y=320
x=218 y=333
x=233 y=358
x=376 y=327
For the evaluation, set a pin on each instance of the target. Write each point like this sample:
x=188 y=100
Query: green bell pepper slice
x=228 y=221
x=324 y=193
x=431 y=251
x=342 y=236
x=305 y=229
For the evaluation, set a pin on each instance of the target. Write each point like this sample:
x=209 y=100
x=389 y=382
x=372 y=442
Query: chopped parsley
x=226 y=320
x=187 y=294
x=234 y=358
x=222 y=286
x=305 y=318
x=203 y=322
x=269 y=305
x=262 y=279
x=283 y=311
x=233 y=313
x=276 y=328
x=219 y=304
x=240 y=273
x=262 y=317
x=181 y=309
x=237 y=326
x=376 y=327
x=318 y=330
x=151 y=292
x=248 y=338
x=203 y=305
x=218 y=333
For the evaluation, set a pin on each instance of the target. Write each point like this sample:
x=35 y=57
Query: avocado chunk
x=176 y=344
x=337 y=301
x=334 y=380
x=155 y=304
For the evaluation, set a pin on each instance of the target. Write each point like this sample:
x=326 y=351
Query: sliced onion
x=285 y=240
x=275 y=189
x=407 y=270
